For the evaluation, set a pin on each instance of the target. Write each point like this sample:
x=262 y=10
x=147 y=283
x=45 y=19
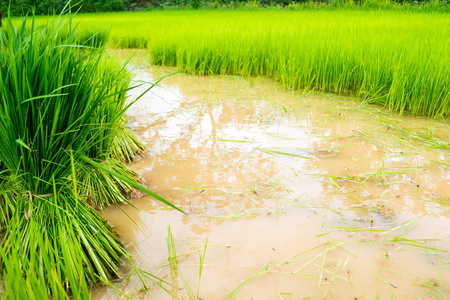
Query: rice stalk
x=394 y=59
x=397 y=59
x=59 y=242
x=60 y=108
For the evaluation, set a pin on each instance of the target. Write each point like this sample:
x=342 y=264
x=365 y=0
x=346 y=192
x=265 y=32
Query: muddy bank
x=297 y=195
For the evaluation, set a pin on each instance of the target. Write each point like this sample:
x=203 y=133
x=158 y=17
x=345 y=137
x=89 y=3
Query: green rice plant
x=60 y=108
x=50 y=98
x=175 y=271
x=122 y=144
x=138 y=42
x=115 y=142
x=172 y=253
x=266 y=269
x=8 y=194
x=395 y=59
x=126 y=145
x=100 y=188
x=88 y=37
x=114 y=138
x=370 y=55
x=61 y=242
x=93 y=38
x=201 y=258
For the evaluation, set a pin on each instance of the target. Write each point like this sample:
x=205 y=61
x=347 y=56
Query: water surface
x=297 y=195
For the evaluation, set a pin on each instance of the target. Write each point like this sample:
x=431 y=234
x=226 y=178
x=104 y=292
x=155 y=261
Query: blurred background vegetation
x=43 y=7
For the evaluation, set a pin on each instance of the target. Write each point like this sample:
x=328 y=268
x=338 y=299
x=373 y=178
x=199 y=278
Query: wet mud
x=288 y=195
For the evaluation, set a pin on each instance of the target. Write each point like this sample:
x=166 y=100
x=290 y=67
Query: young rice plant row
x=398 y=59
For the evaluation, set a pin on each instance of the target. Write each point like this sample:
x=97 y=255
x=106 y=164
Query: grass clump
x=62 y=119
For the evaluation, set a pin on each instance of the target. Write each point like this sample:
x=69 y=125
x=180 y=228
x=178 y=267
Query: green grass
x=62 y=129
x=54 y=111
x=57 y=101
x=398 y=59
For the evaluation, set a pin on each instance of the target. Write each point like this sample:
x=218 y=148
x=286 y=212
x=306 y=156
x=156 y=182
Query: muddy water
x=291 y=195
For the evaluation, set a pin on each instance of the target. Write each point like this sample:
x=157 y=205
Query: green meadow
x=397 y=59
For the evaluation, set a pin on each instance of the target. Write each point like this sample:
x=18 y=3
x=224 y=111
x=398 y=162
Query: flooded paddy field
x=287 y=195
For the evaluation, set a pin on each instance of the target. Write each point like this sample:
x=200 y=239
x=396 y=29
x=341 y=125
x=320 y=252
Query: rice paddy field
x=299 y=154
x=396 y=59
x=287 y=195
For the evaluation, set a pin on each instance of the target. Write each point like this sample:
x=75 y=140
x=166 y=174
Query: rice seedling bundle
x=56 y=246
x=398 y=59
x=62 y=120
x=57 y=101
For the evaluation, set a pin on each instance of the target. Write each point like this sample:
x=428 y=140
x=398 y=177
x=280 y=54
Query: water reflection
x=310 y=189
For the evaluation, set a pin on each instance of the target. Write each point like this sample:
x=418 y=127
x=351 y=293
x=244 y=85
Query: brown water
x=297 y=195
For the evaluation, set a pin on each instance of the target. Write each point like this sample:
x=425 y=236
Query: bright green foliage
x=59 y=243
x=44 y=7
x=99 y=187
x=62 y=118
x=396 y=59
x=125 y=144
x=57 y=101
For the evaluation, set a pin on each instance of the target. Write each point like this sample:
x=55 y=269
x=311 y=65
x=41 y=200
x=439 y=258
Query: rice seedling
x=266 y=269
x=432 y=288
x=441 y=201
x=61 y=106
x=172 y=252
x=238 y=214
x=318 y=54
x=174 y=268
x=291 y=153
x=115 y=142
x=93 y=37
x=399 y=135
x=201 y=258
x=61 y=239
x=8 y=194
x=388 y=284
x=322 y=270
x=380 y=177
x=395 y=59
